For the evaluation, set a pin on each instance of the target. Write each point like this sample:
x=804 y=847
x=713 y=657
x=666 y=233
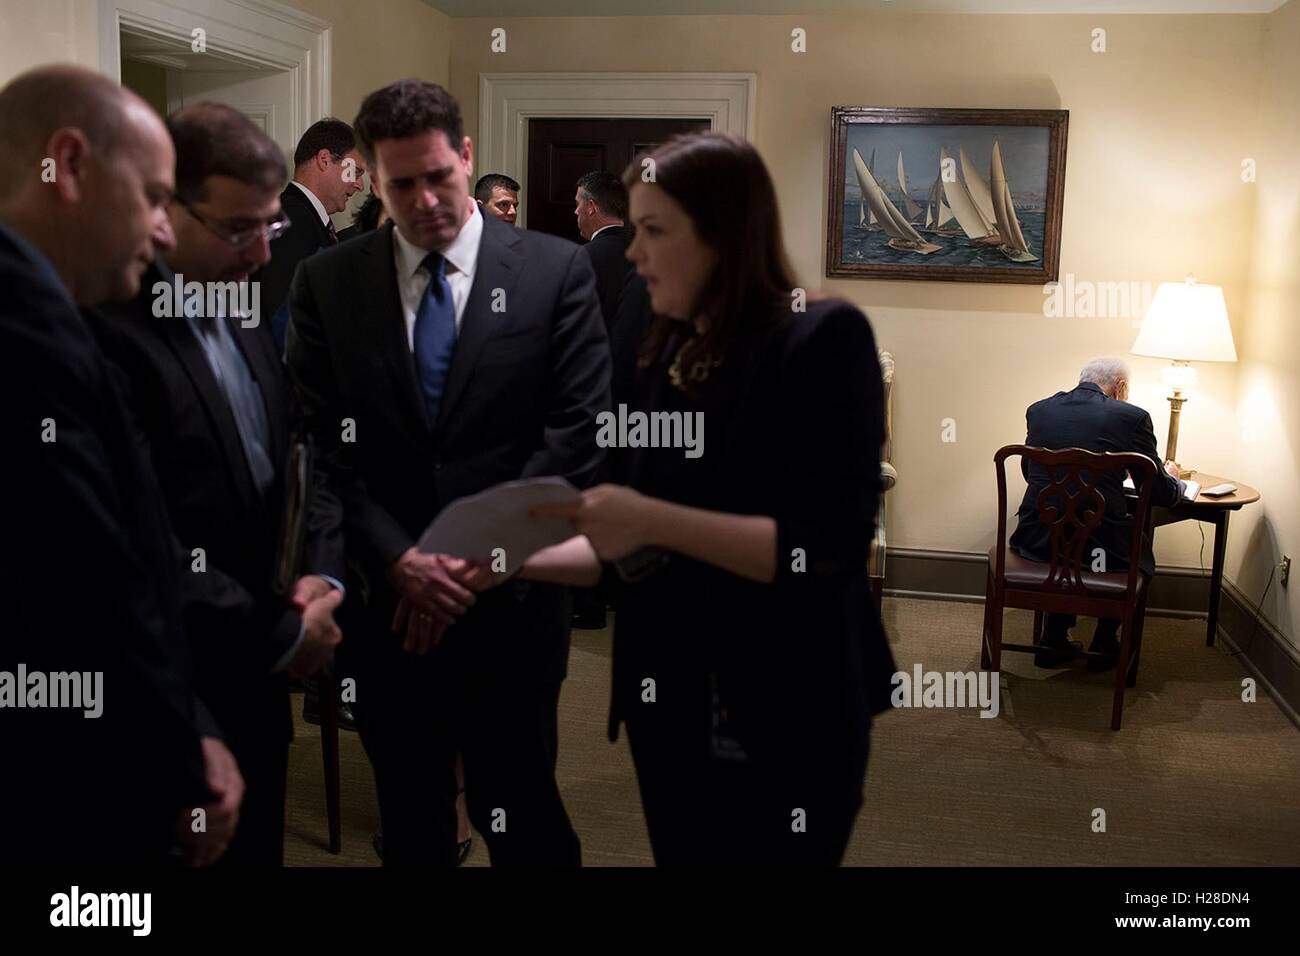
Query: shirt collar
x=462 y=252
x=612 y=225
x=315 y=202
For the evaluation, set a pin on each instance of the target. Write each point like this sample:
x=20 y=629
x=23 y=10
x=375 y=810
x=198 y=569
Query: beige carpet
x=1196 y=777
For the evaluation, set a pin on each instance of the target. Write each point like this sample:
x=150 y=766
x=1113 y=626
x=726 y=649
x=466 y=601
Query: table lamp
x=1187 y=322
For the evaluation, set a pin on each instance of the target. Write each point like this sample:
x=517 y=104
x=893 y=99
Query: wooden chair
x=1070 y=507
x=329 y=748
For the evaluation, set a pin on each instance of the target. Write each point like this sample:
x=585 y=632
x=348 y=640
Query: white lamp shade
x=1187 y=322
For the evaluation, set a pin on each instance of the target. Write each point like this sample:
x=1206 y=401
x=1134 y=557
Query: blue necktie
x=435 y=334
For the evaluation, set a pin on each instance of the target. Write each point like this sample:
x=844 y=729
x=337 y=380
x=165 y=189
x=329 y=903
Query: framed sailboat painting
x=960 y=195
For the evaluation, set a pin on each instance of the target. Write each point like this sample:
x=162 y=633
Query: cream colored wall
x=378 y=41
x=1159 y=125
x=1268 y=407
x=45 y=32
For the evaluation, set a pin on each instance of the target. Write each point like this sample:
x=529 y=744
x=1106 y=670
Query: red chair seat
x=1024 y=573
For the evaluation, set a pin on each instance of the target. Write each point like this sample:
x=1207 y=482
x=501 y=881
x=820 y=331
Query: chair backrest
x=1071 y=506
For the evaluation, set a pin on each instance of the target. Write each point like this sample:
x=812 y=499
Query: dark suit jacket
x=238 y=627
x=794 y=421
x=607 y=252
x=304 y=237
x=520 y=401
x=632 y=319
x=1086 y=418
x=88 y=583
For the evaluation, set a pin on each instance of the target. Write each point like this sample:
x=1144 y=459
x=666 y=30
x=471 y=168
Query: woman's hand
x=478 y=576
x=615 y=519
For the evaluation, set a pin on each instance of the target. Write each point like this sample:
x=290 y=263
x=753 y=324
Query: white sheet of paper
x=1190 y=491
x=476 y=525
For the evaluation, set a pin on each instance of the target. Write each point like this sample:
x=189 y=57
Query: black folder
x=293 y=519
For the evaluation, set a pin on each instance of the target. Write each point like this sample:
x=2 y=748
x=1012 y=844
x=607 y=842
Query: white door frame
x=261 y=33
x=507 y=101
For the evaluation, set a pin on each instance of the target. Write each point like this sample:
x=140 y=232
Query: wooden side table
x=1213 y=511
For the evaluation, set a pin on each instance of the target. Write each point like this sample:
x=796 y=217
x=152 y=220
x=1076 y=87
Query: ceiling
x=644 y=8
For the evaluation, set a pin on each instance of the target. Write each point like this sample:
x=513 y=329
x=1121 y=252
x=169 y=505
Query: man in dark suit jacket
x=435 y=360
x=88 y=577
x=1095 y=416
x=327 y=172
x=217 y=412
x=600 y=206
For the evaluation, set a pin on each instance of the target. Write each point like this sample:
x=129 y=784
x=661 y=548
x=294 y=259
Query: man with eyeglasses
x=215 y=409
x=327 y=172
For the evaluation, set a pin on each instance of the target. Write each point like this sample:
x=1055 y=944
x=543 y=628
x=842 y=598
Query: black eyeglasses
x=241 y=237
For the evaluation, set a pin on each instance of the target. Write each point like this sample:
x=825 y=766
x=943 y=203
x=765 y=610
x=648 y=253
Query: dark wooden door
x=561 y=150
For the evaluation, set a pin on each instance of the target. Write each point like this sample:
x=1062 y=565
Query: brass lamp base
x=1176 y=401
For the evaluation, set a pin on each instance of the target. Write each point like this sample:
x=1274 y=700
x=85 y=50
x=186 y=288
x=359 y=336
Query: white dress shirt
x=413 y=279
x=315 y=202
x=612 y=225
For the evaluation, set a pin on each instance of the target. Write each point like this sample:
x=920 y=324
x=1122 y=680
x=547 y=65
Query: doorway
x=561 y=150
x=169 y=74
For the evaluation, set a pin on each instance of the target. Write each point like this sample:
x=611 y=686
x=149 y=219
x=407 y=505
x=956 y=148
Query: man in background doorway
x=327 y=172
x=498 y=195
x=600 y=206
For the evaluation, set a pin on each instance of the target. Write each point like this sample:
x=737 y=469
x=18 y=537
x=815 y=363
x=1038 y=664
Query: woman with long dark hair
x=748 y=654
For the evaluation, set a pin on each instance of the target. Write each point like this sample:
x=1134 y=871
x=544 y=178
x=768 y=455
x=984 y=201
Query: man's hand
x=320 y=635
x=424 y=581
x=423 y=633
x=309 y=588
x=221 y=816
x=1172 y=469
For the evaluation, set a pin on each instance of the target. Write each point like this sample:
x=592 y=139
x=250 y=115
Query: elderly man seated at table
x=1095 y=416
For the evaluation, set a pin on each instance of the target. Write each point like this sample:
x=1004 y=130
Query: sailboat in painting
x=903 y=236
x=979 y=229
x=911 y=208
x=1013 y=244
x=939 y=219
x=867 y=218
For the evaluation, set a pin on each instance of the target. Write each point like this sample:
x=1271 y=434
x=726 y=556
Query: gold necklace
x=699 y=369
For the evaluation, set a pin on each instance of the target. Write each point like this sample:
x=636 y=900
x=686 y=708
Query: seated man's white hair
x=1105 y=373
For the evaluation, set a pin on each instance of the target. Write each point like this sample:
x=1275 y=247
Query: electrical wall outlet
x=1286 y=569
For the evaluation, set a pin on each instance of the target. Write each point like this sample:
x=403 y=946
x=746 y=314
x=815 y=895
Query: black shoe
x=1055 y=650
x=311 y=713
x=1106 y=650
x=462 y=848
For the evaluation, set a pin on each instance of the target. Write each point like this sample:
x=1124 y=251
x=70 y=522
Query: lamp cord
x=1259 y=615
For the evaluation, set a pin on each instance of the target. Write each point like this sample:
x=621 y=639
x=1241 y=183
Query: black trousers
x=701 y=809
x=1107 y=627
x=259 y=838
x=414 y=714
x=260 y=742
